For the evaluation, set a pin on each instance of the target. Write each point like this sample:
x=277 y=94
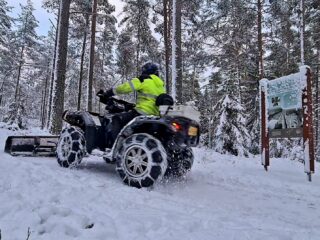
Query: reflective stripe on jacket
x=147 y=92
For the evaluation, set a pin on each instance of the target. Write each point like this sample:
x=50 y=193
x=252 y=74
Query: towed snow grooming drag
x=31 y=145
x=146 y=149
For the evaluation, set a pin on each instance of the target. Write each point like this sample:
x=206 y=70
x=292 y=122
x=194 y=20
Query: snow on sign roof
x=292 y=81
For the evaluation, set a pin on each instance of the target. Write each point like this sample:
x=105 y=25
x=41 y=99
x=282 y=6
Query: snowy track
x=223 y=198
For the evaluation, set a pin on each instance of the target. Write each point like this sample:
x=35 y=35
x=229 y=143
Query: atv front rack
x=31 y=145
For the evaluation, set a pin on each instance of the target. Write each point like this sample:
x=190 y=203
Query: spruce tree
x=6 y=62
x=26 y=40
x=230 y=134
x=5 y=22
x=24 y=54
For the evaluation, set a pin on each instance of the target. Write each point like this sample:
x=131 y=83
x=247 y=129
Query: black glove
x=104 y=96
x=109 y=93
x=100 y=93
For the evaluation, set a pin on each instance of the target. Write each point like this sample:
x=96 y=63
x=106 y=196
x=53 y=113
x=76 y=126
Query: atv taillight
x=176 y=126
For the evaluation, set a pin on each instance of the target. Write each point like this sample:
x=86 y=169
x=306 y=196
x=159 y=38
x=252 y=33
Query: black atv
x=146 y=149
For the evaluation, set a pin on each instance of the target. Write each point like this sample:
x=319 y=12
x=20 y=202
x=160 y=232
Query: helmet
x=150 y=68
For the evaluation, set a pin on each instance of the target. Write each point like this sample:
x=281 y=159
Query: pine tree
x=105 y=64
x=283 y=39
x=193 y=53
x=78 y=42
x=136 y=22
x=126 y=55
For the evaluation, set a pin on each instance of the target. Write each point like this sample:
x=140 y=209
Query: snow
x=223 y=197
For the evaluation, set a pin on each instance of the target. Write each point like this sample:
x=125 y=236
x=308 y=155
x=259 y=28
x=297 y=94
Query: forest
x=212 y=55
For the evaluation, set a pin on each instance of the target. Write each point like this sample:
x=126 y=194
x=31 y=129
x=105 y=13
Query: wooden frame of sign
x=282 y=97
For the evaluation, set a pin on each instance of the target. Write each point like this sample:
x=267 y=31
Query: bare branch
x=29 y=233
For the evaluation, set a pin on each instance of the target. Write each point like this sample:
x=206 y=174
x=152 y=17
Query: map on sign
x=285 y=107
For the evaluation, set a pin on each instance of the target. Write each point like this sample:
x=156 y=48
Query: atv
x=146 y=149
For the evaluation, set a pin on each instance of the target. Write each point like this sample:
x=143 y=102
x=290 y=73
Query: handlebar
x=114 y=105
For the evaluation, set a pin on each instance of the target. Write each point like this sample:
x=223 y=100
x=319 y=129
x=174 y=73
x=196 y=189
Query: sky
x=43 y=16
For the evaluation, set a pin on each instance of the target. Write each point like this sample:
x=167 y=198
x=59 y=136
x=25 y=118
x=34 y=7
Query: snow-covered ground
x=223 y=197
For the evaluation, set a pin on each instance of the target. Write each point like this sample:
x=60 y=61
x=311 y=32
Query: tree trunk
x=60 y=71
x=91 y=61
x=139 y=41
x=82 y=61
x=1 y=92
x=317 y=108
x=302 y=26
x=19 y=75
x=179 y=51
x=42 y=107
x=2 y=87
x=260 y=42
x=176 y=51
x=166 y=30
x=43 y=113
x=52 y=73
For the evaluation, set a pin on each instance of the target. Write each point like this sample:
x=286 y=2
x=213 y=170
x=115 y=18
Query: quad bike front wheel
x=141 y=160
x=70 y=147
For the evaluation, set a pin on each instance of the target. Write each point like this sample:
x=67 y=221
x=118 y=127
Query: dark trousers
x=119 y=121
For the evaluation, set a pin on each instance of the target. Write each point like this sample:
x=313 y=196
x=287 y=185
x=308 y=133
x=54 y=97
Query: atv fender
x=91 y=124
x=152 y=125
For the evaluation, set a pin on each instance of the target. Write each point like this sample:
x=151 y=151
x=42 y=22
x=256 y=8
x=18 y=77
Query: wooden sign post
x=308 y=138
x=264 y=124
x=286 y=112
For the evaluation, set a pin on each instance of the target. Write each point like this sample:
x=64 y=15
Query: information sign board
x=286 y=112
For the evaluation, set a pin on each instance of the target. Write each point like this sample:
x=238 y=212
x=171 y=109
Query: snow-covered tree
x=26 y=40
x=230 y=134
x=23 y=53
x=5 y=53
x=16 y=116
x=5 y=22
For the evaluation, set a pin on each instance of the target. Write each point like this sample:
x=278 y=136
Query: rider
x=147 y=87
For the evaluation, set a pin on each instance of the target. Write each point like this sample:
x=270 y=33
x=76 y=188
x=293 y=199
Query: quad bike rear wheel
x=70 y=147
x=179 y=163
x=141 y=160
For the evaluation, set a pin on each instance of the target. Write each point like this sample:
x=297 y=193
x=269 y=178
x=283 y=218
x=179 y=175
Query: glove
x=109 y=93
x=104 y=96
x=100 y=93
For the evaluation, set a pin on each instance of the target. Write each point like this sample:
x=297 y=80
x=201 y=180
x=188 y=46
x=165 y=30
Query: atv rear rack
x=31 y=145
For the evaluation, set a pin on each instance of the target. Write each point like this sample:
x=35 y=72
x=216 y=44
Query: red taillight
x=176 y=126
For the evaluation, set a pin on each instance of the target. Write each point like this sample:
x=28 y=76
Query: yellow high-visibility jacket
x=147 y=92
